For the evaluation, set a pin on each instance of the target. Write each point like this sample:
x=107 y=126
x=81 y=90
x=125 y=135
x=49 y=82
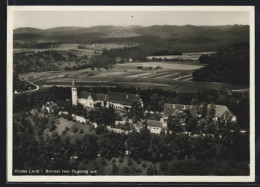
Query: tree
x=163 y=166
x=154 y=102
x=88 y=147
x=203 y=110
x=112 y=145
x=151 y=170
x=137 y=110
x=211 y=112
x=171 y=123
x=191 y=124
x=138 y=144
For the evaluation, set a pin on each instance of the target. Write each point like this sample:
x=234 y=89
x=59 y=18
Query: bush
x=120 y=160
x=126 y=170
x=103 y=161
x=163 y=166
x=138 y=169
x=67 y=128
x=144 y=165
x=114 y=168
x=81 y=131
x=129 y=162
x=52 y=127
x=75 y=129
x=64 y=132
x=85 y=161
x=151 y=170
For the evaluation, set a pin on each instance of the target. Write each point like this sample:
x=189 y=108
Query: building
x=221 y=112
x=154 y=126
x=88 y=99
x=123 y=101
x=116 y=100
x=74 y=93
x=79 y=118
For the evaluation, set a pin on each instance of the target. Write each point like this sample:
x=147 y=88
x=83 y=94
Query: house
x=123 y=122
x=221 y=112
x=74 y=157
x=175 y=109
x=117 y=130
x=118 y=59
x=63 y=113
x=79 y=118
x=154 y=126
x=49 y=107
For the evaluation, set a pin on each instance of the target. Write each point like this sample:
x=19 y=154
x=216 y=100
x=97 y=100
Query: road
x=28 y=91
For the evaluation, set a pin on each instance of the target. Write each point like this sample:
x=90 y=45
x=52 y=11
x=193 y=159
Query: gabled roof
x=94 y=96
x=220 y=110
x=122 y=98
x=73 y=84
x=154 y=123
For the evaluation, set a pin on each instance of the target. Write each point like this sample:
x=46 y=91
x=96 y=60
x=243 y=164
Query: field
x=175 y=76
x=62 y=123
x=81 y=49
x=185 y=56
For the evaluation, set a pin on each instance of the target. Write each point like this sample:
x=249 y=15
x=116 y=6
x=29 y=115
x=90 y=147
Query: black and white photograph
x=131 y=94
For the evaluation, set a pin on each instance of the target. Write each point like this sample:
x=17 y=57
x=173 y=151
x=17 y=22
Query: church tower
x=74 y=93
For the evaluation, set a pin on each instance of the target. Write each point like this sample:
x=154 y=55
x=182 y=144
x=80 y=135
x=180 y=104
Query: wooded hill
x=187 y=38
x=230 y=66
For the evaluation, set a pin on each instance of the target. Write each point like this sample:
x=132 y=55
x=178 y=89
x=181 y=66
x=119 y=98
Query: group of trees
x=166 y=52
x=53 y=152
x=49 y=60
x=230 y=66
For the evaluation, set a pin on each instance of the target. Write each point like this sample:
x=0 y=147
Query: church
x=116 y=100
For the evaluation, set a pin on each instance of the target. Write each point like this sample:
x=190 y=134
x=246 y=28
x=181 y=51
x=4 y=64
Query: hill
x=184 y=38
x=229 y=66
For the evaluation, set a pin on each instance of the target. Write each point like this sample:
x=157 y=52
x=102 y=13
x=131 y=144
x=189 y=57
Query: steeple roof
x=73 y=84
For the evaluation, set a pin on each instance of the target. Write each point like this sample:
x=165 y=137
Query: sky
x=50 y=19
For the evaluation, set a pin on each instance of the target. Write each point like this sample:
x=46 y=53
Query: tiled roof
x=220 y=110
x=154 y=123
x=122 y=98
x=94 y=96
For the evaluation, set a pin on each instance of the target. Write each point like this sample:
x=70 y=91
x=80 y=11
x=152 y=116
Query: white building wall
x=74 y=96
x=118 y=106
x=86 y=102
x=155 y=130
x=79 y=118
x=163 y=120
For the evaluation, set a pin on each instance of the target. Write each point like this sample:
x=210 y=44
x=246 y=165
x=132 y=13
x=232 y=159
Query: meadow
x=174 y=76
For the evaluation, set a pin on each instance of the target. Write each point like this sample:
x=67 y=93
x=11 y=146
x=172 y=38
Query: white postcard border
x=12 y=178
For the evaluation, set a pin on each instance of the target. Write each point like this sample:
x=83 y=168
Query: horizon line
x=131 y=26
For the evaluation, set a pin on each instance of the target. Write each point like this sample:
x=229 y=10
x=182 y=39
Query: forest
x=227 y=65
